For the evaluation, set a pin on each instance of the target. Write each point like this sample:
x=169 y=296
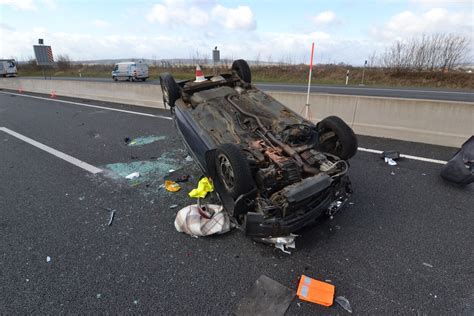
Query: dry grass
x=322 y=74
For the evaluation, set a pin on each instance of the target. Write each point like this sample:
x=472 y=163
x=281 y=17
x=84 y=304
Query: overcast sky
x=343 y=30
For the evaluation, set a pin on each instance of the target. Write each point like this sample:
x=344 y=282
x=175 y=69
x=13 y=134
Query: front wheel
x=337 y=138
x=115 y=78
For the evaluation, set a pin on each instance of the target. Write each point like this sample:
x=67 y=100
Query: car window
x=116 y=68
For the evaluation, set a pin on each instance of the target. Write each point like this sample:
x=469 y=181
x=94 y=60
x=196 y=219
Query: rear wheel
x=242 y=69
x=337 y=138
x=169 y=89
x=144 y=79
x=233 y=170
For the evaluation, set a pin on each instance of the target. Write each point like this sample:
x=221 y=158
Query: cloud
x=100 y=23
x=407 y=24
x=324 y=18
x=50 y=4
x=178 y=12
x=20 y=4
x=182 y=13
x=240 y=18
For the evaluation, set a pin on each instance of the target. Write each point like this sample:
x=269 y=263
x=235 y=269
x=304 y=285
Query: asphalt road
x=402 y=245
x=410 y=93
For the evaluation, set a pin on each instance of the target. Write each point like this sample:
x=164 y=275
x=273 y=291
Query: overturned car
x=274 y=171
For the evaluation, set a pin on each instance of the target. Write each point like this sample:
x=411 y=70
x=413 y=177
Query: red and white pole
x=309 y=82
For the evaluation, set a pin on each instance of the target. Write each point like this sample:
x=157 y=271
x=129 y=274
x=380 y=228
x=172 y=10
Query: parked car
x=274 y=171
x=8 y=68
x=130 y=71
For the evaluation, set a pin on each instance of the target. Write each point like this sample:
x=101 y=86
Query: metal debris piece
x=282 y=243
x=133 y=175
x=111 y=218
x=392 y=154
x=341 y=300
x=266 y=297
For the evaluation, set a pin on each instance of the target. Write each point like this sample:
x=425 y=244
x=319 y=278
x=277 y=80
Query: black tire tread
x=241 y=67
x=167 y=80
x=346 y=135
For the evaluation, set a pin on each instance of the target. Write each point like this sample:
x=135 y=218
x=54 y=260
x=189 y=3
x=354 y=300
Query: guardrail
x=445 y=123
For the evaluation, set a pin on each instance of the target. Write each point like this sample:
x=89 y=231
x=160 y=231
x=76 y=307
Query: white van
x=130 y=71
x=8 y=68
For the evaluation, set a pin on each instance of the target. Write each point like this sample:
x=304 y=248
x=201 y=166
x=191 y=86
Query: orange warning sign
x=315 y=291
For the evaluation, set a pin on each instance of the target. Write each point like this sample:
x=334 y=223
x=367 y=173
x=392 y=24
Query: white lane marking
x=54 y=152
x=374 y=151
x=362 y=89
x=89 y=105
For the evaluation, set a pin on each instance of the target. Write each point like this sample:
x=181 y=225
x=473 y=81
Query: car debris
x=390 y=161
x=460 y=168
x=266 y=297
x=196 y=220
x=344 y=303
x=282 y=243
x=189 y=158
x=48 y=258
x=132 y=176
x=273 y=171
x=315 y=291
x=111 y=218
x=173 y=206
x=392 y=154
x=172 y=186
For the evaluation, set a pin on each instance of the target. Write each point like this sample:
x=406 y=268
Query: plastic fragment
x=428 y=265
x=173 y=206
x=172 y=186
x=111 y=218
x=133 y=175
x=189 y=158
x=344 y=303
x=48 y=259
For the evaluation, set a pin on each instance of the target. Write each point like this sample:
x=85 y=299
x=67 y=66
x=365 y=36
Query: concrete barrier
x=443 y=123
x=120 y=92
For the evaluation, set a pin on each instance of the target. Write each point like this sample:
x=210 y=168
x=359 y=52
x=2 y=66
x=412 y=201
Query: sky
x=347 y=31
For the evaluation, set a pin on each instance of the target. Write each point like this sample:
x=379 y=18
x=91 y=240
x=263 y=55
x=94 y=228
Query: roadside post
x=306 y=107
x=347 y=77
x=363 y=73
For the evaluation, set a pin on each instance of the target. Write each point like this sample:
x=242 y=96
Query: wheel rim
x=226 y=172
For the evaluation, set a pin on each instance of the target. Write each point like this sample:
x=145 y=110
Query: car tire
x=143 y=79
x=337 y=138
x=233 y=170
x=242 y=69
x=169 y=89
x=115 y=78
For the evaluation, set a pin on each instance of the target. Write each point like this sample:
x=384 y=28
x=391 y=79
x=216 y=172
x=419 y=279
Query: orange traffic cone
x=199 y=75
x=53 y=94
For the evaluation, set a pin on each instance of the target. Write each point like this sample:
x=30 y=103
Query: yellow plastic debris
x=204 y=186
x=172 y=186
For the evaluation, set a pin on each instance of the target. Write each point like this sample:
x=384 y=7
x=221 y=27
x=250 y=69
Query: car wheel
x=233 y=170
x=143 y=79
x=242 y=70
x=337 y=138
x=115 y=78
x=169 y=89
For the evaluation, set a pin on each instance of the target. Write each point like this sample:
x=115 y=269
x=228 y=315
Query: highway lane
x=403 y=244
x=410 y=93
